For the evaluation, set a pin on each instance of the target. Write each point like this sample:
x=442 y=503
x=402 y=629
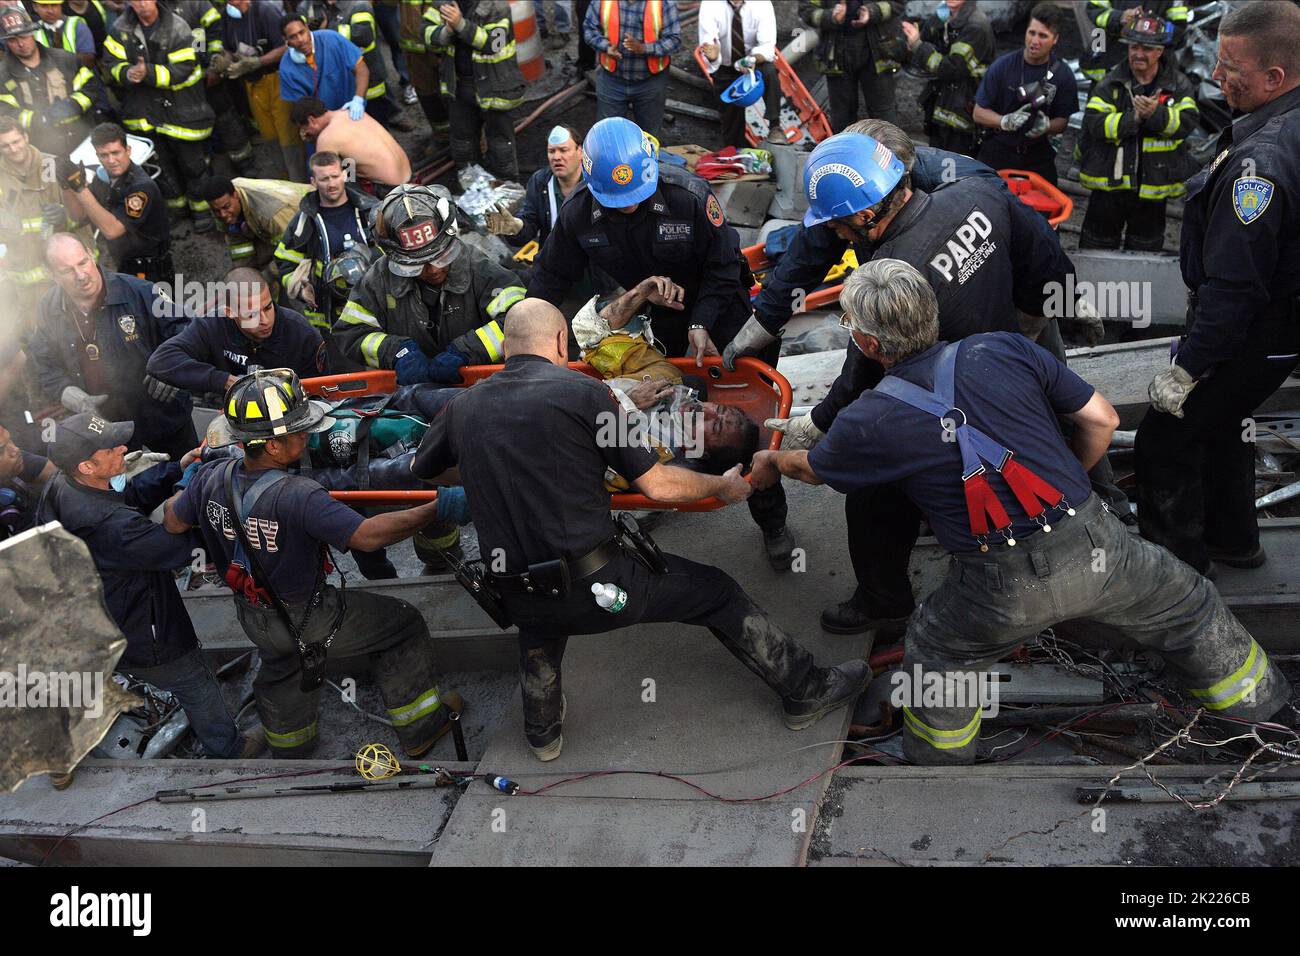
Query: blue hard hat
x=744 y=89
x=618 y=163
x=848 y=173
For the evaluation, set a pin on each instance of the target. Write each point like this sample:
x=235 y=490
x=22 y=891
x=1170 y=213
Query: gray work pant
x=390 y=632
x=1089 y=569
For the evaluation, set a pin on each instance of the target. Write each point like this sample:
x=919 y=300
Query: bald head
x=72 y=266
x=535 y=327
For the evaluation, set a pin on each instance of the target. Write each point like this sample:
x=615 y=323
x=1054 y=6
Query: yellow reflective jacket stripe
x=355 y=314
x=295 y=738
x=493 y=340
x=288 y=255
x=504 y=299
x=370 y=345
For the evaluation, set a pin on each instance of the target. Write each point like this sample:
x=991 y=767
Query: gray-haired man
x=969 y=432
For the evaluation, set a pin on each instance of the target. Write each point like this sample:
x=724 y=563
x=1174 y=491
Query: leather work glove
x=356 y=108
x=501 y=223
x=751 y=338
x=244 y=65
x=1170 y=388
x=70 y=175
x=138 y=461
x=452 y=505
x=1013 y=121
x=1041 y=122
x=299 y=285
x=221 y=63
x=159 y=390
x=800 y=432
x=77 y=401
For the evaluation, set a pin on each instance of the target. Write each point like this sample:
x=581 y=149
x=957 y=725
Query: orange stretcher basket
x=756 y=388
x=1038 y=194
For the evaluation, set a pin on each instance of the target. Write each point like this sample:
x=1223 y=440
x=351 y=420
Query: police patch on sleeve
x=1250 y=197
x=135 y=204
x=713 y=209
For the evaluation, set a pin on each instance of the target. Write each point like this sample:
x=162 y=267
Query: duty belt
x=537 y=579
x=147 y=267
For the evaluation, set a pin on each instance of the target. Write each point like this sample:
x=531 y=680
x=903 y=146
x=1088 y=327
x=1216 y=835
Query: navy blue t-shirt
x=1009 y=388
x=998 y=91
x=340 y=226
x=287 y=525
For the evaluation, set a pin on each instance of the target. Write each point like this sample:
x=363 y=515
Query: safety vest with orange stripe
x=654 y=19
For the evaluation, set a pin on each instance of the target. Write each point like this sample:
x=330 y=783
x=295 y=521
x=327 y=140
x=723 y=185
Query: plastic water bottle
x=610 y=596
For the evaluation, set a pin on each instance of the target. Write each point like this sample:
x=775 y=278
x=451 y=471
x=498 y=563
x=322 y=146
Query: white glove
x=800 y=432
x=299 y=285
x=1169 y=390
x=501 y=223
x=751 y=338
x=1041 y=122
x=1093 y=328
x=77 y=401
x=138 y=461
x=1012 y=122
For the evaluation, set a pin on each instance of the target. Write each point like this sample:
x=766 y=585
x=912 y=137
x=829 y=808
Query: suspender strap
x=976 y=448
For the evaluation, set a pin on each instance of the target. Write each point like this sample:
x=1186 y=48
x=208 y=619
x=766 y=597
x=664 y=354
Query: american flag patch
x=883 y=156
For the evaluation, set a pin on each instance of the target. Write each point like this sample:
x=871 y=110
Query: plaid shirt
x=631 y=17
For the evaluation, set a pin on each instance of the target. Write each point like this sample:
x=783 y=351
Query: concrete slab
x=1012 y=814
x=388 y=828
x=708 y=713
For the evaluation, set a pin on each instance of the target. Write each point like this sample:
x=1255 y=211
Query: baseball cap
x=76 y=439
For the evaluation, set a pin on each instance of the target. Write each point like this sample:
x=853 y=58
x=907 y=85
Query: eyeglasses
x=845 y=324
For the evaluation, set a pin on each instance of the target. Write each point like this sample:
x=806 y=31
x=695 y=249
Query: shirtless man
x=377 y=155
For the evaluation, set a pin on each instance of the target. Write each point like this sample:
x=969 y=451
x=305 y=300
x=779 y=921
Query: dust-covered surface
x=59 y=646
x=919 y=816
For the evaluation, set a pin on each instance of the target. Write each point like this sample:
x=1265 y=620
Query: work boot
x=62 y=781
x=1236 y=559
x=254 y=743
x=401 y=124
x=853 y=617
x=451 y=701
x=777 y=136
x=780 y=548
x=826 y=689
x=409 y=96
x=547 y=750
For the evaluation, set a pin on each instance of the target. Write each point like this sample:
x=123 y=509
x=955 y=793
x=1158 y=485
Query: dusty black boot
x=779 y=545
x=854 y=617
x=826 y=689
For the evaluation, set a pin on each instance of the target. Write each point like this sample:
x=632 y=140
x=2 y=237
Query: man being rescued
x=968 y=431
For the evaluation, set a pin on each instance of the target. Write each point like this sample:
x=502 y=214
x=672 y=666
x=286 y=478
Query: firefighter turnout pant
x=688 y=592
x=391 y=633
x=185 y=168
x=1087 y=569
x=470 y=122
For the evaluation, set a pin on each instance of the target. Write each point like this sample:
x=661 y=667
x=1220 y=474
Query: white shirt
x=758 y=20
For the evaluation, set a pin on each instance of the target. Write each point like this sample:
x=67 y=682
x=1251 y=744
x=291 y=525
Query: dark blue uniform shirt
x=132 y=321
x=287 y=526
x=999 y=91
x=1009 y=388
x=1240 y=247
x=136 y=202
x=212 y=347
x=135 y=557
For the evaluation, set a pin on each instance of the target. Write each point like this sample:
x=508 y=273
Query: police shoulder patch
x=713 y=209
x=1250 y=197
x=135 y=204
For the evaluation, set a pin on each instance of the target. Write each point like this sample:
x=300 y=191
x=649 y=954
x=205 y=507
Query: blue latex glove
x=356 y=107
x=452 y=505
x=190 y=471
x=445 y=367
x=411 y=365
